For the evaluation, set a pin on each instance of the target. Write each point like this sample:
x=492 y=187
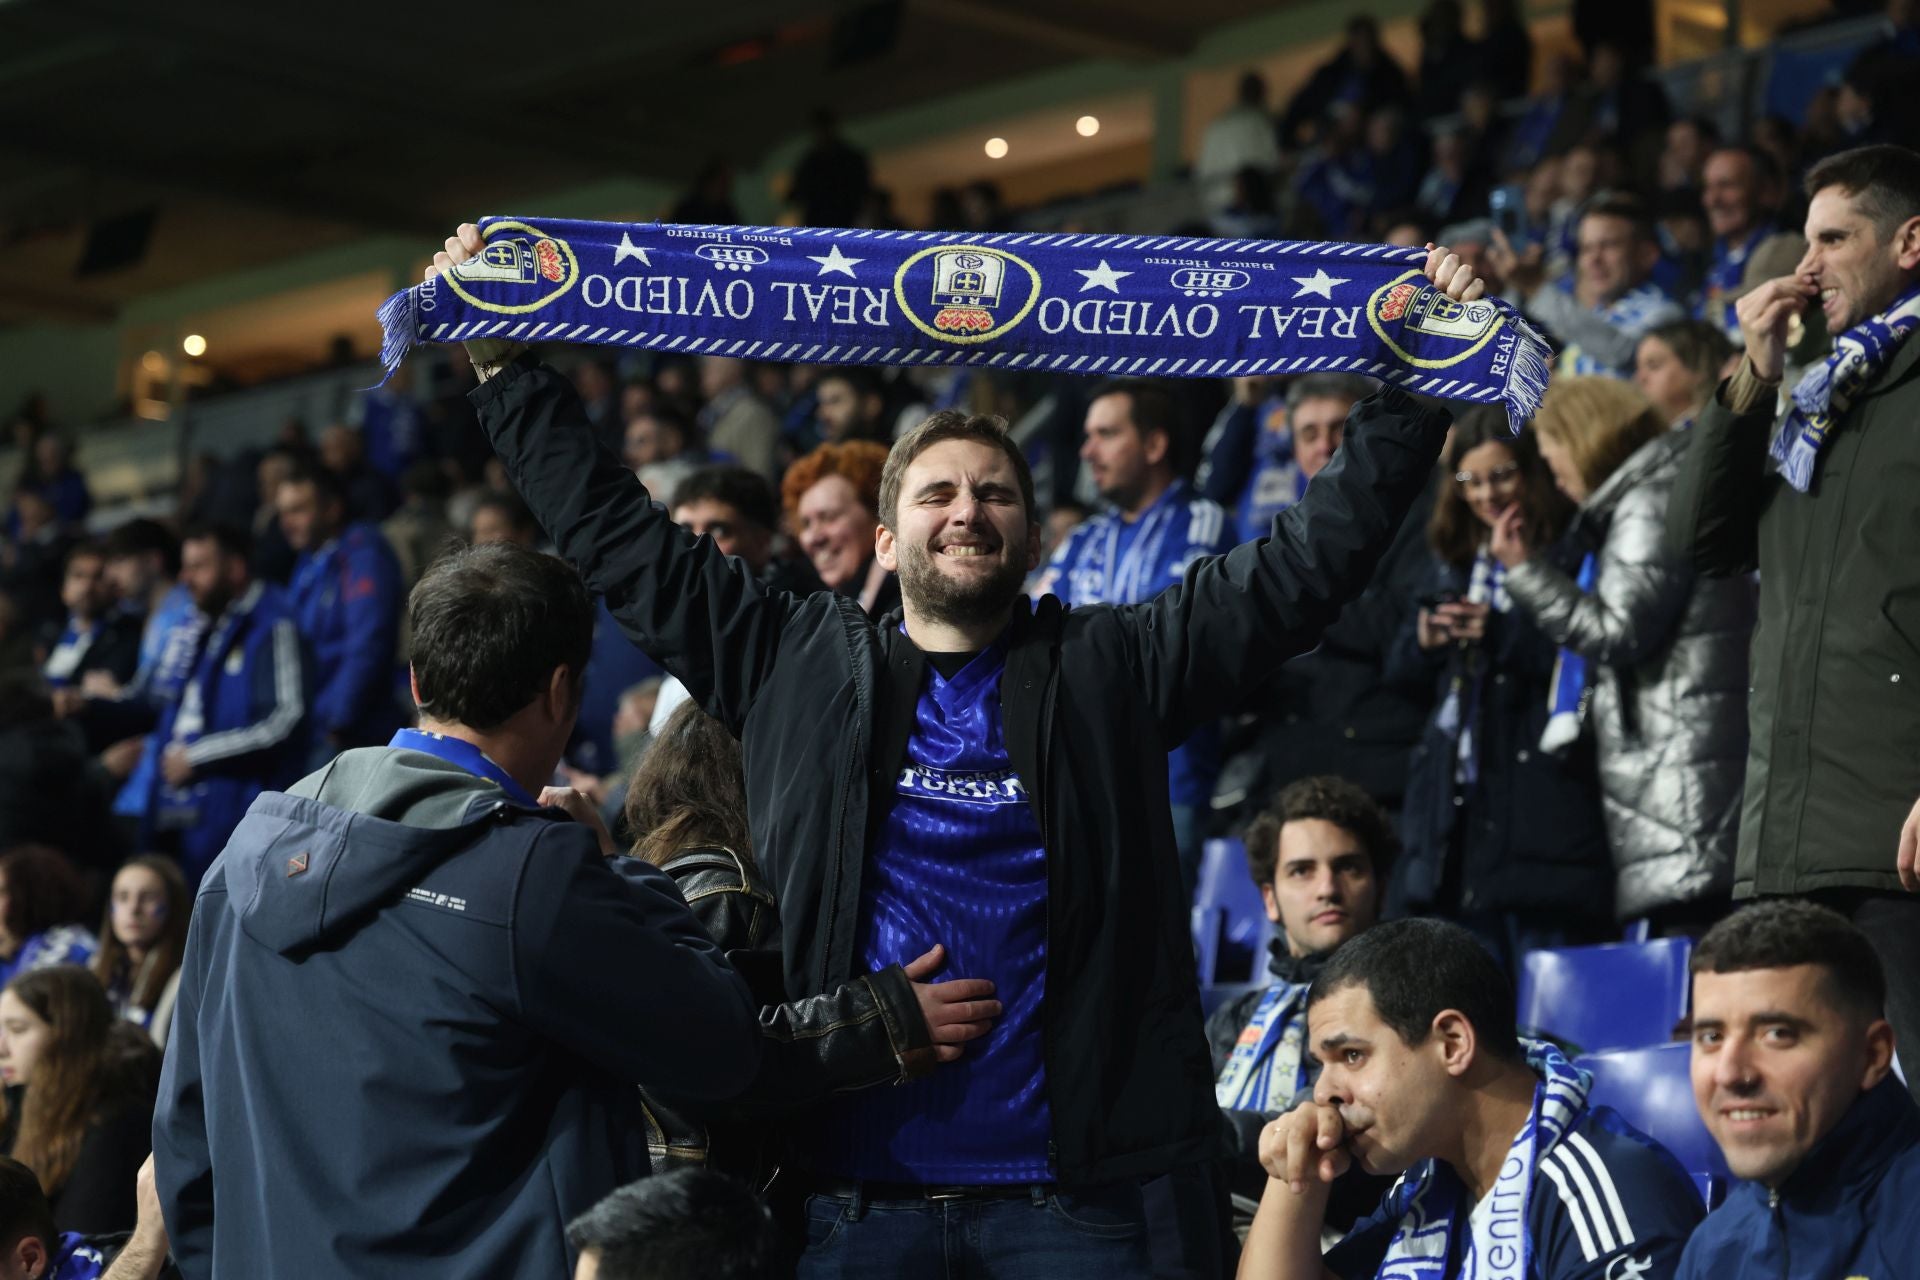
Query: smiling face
x=964 y=541
x=1323 y=889
x=1776 y=1062
x=24 y=1036
x=1858 y=274
x=1489 y=479
x=1730 y=193
x=1393 y=1097
x=835 y=529
x=1613 y=257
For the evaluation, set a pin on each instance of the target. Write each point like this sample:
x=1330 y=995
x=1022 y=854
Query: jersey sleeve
x=1612 y=1206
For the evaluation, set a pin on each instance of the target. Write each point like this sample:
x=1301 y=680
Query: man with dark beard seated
x=983 y=772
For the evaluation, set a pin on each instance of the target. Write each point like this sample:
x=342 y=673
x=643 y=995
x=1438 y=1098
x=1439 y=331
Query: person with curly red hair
x=832 y=499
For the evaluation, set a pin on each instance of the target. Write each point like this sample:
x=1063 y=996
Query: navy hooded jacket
x=411 y=1017
x=1849 y=1210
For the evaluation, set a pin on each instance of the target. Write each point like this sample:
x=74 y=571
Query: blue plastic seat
x=1226 y=885
x=1618 y=996
x=1652 y=1091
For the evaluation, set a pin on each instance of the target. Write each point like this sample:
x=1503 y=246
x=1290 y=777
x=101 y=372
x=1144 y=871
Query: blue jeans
x=1095 y=1233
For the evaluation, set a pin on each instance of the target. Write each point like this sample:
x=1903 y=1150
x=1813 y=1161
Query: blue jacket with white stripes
x=243 y=717
x=1608 y=1203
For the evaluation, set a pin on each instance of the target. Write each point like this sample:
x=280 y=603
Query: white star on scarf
x=1319 y=283
x=833 y=260
x=1102 y=277
x=628 y=249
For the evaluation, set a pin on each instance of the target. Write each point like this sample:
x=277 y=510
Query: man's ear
x=1155 y=446
x=1455 y=1040
x=1906 y=242
x=413 y=684
x=1879 y=1053
x=886 y=548
x=562 y=693
x=30 y=1255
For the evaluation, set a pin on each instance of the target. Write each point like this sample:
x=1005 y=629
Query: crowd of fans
x=1533 y=721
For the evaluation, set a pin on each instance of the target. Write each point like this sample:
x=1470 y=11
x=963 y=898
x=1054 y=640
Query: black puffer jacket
x=822 y=700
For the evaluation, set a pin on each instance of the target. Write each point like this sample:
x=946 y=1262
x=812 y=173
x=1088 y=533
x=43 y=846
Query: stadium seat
x=1209 y=927
x=1225 y=885
x=1618 y=996
x=1651 y=1090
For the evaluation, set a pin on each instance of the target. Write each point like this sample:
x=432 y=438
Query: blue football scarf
x=1105 y=305
x=1825 y=390
x=1427 y=1197
x=1567 y=701
x=1265 y=1071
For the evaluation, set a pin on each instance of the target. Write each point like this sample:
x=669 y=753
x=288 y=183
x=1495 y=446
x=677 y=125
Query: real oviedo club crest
x=1426 y=328
x=965 y=293
x=522 y=269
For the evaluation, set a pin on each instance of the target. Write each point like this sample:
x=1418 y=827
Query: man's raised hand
x=956 y=1011
x=1302 y=1148
x=1455 y=277
x=487 y=354
x=1764 y=316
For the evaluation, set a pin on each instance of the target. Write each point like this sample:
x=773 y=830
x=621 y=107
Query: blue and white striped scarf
x=1267 y=1068
x=1825 y=390
x=1427 y=1197
x=1567 y=698
x=1167 y=306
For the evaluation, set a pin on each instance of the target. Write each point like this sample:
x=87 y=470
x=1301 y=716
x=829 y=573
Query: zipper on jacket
x=1780 y=1223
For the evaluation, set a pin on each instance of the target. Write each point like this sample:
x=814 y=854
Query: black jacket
x=868 y=1032
x=1091 y=700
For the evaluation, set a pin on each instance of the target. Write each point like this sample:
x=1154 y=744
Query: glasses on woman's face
x=1497 y=478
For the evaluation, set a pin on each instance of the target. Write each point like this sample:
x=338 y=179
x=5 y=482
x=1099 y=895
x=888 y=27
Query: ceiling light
x=153 y=362
x=996 y=148
x=1087 y=126
x=194 y=345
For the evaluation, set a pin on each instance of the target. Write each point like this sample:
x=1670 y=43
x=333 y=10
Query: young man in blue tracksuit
x=239 y=723
x=347 y=596
x=1792 y=1072
x=1506 y=1170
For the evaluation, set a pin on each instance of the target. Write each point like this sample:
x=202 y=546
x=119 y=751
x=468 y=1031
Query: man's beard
x=959 y=603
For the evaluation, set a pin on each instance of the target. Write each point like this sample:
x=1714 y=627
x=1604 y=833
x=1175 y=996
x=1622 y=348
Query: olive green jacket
x=1834 y=710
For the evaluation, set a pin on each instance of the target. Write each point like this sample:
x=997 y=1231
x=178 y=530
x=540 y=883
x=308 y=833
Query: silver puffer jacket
x=1667 y=655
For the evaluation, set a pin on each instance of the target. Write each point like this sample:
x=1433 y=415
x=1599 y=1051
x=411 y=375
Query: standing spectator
x=1501 y=835
x=1241 y=137
x=1678 y=365
x=740 y=511
x=691 y=1224
x=79 y=1096
x=393 y=427
x=346 y=597
x=830 y=181
x=738 y=425
x=141 y=942
x=1826 y=515
x=98 y=636
x=1506 y=48
x=1361 y=76
x=371 y=494
x=422 y=879
x=241 y=722
x=832 y=501
x=52 y=791
x=710 y=199
x=1613 y=301
x=1741 y=195
x=1653 y=660
x=1153 y=530
x=42 y=899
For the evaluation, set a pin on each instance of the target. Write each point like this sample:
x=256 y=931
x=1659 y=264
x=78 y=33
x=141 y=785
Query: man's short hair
x=327 y=486
x=864 y=382
x=951 y=424
x=24 y=1210
x=691 y=1224
x=1329 y=386
x=89 y=549
x=512 y=508
x=1626 y=206
x=1414 y=969
x=231 y=540
x=1151 y=407
x=489 y=626
x=1783 y=932
x=1697 y=344
x=1330 y=799
x=746 y=491
x=141 y=536
x=1766 y=165
x=1883 y=180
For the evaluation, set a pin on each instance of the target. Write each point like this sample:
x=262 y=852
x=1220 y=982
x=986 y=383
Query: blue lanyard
x=467 y=756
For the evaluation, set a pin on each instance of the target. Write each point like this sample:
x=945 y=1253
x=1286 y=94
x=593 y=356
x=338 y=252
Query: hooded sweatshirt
x=411 y=1015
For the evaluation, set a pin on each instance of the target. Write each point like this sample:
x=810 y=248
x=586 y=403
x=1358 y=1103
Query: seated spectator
x=1793 y=1075
x=851 y=404
x=1653 y=659
x=51 y=473
x=1501 y=835
x=1320 y=856
x=688 y=804
x=832 y=501
x=33 y=1248
x=240 y=723
x=371 y=494
x=662 y=447
x=1334 y=186
x=1683 y=155
x=1613 y=301
x=500 y=516
x=691 y=1224
x=52 y=792
x=1678 y=365
x=141 y=942
x=738 y=425
x=1742 y=192
x=78 y=1101
x=405 y=966
x=346 y=595
x=740 y=511
x=1506 y=1168
x=44 y=899
x=98 y=637
x=273 y=555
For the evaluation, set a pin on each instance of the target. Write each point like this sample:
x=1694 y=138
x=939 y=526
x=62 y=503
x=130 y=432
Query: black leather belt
x=872 y=1191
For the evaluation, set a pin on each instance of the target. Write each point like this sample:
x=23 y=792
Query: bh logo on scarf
x=544 y=264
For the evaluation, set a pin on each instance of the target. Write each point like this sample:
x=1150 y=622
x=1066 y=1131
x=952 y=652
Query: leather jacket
x=867 y=1032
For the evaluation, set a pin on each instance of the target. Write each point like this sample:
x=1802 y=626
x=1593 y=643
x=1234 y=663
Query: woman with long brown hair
x=688 y=803
x=142 y=940
x=78 y=1098
x=1496 y=832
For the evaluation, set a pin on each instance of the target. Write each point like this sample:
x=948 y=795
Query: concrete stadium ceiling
x=218 y=135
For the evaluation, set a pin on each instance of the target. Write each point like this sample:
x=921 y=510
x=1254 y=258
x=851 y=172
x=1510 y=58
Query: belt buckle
x=948 y=1193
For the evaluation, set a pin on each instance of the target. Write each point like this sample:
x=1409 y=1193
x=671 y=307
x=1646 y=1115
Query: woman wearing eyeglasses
x=1498 y=834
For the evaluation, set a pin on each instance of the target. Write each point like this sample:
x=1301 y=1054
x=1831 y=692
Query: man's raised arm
x=691 y=609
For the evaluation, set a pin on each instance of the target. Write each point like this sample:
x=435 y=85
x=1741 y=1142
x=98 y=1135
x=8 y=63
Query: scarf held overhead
x=1102 y=305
